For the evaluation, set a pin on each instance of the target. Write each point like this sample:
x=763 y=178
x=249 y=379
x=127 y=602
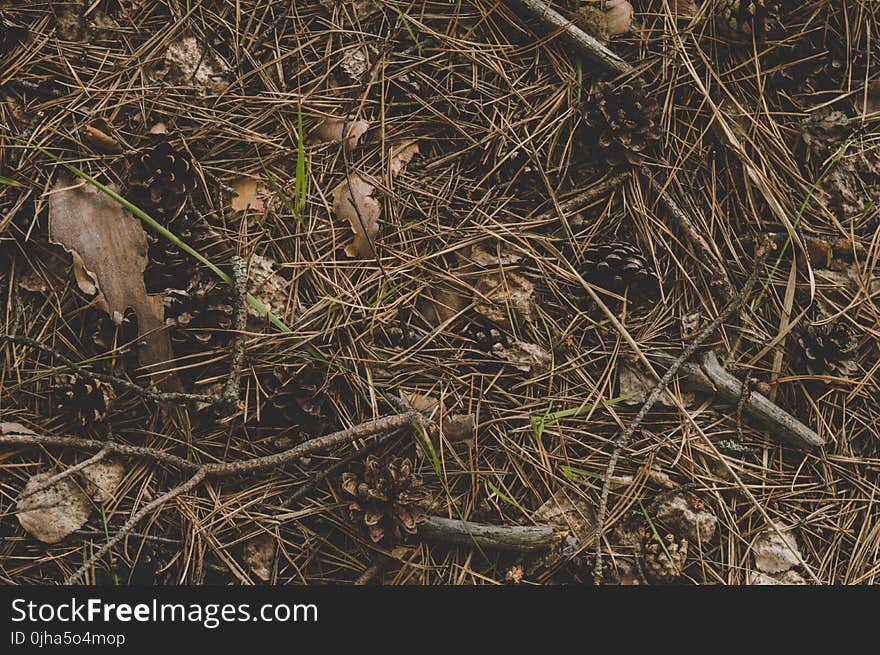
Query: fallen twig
x=518 y=538
x=623 y=440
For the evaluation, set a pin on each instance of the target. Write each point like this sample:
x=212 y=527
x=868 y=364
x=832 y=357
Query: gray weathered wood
x=519 y=538
x=711 y=377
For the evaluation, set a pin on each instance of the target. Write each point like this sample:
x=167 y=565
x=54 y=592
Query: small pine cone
x=622 y=121
x=161 y=177
x=200 y=315
x=85 y=401
x=661 y=568
x=105 y=336
x=168 y=264
x=616 y=266
x=297 y=399
x=486 y=337
x=385 y=498
x=747 y=17
x=11 y=35
x=829 y=348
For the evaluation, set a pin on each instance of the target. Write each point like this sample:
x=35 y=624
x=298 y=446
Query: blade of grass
x=507 y=499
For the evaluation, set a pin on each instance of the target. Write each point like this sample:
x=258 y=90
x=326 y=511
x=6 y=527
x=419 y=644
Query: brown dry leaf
x=353 y=202
x=438 y=305
x=820 y=252
x=500 y=294
x=401 y=154
x=774 y=553
x=267 y=286
x=159 y=128
x=248 y=195
x=456 y=427
x=99 y=135
x=52 y=513
x=259 y=555
x=619 y=14
x=330 y=130
x=109 y=249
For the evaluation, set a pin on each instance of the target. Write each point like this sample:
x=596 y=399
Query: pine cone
x=661 y=568
x=199 y=315
x=161 y=178
x=747 y=17
x=105 y=336
x=622 y=121
x=297 y=399
x=11 y=35
x=385 y=498
x=168 y=264
x=85 y=401
x=616 y=266
x=829 y=348
x=486 y=337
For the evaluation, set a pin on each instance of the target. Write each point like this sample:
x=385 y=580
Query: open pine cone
x=298 y=399
x=168 y=264
x=747 y=17
x=161 y=177
x=616 y=266
x=200 y=315
x=85 y=401
x=105 y=336
x=829 y=348
x=622 y=121
x=385 y=498
x=660 y=567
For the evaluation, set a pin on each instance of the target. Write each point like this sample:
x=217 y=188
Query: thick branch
x=518 y=538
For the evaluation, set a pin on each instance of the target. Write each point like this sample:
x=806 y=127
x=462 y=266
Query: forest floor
x=445 y=204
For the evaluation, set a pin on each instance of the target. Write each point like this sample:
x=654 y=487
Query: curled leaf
x=109 y=249
x=401 y=154
x=353 y=202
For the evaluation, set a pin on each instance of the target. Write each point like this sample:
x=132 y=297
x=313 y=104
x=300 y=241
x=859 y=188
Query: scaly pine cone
x=616 y=266
x=168 y=264
x=85 y=401
x=747 y=17
x=297 y=399
x=161 y=177
x=829 y=348
x=486 y=337
x=661 y=568
x=105 y=336
x=199 y=315
x=622 y=120
x=385 y=498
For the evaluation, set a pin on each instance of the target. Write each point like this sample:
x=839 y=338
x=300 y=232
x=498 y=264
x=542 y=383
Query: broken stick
x=516 y=538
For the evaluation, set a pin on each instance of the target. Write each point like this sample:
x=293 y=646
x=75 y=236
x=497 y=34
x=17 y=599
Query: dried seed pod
x=746 y=17
x=85 y=401
x=385 y=498
x=622 y=121
x=829 y=349
x=616 y=266
x=200 y=315
x=161 y=177
x=664 y=565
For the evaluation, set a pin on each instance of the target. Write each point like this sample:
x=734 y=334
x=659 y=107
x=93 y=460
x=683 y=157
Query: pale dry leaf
x=402 y=154
x=571 y=511
x=680 y=516
x=456 y=427
x=188 y=62
x=774 y=553
x=248 y=195
x=788 y=578
x=102 y=478
x=159 y=128
x=526 y=357
x=109 y=249
x=439 y=305
x=354 y=64
x=52 y=513
x=259 y=555
x=498 y=295
x=635 y=387
x=353 y=202
x=267 y=286
x=330 y=130
x=619 y=14
x=479 y=255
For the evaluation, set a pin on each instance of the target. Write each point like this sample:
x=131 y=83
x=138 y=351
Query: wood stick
x=517 y=538
x=709 y=376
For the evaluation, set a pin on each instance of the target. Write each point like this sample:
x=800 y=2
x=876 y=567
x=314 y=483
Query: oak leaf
x=353 y=202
